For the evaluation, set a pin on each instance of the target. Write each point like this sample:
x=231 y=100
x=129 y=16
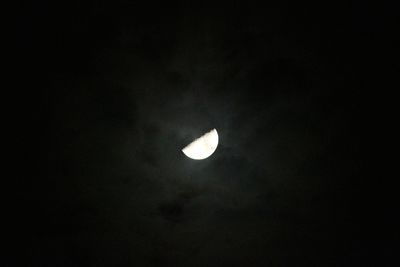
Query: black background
x=109 y=92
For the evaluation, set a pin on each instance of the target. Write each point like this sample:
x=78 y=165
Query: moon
x=202 y=147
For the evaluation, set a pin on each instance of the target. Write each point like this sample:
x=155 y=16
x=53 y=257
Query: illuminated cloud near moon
x=202 y=147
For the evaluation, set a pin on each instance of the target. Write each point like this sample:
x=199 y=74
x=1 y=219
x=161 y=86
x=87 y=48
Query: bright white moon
x=202 y=147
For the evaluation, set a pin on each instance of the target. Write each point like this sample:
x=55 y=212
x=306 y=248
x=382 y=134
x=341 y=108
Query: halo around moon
x=202 y=147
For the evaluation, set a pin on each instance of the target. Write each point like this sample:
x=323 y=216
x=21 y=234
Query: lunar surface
x=202 y=147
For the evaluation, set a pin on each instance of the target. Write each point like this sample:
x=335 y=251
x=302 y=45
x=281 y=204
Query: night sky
x=114 y=90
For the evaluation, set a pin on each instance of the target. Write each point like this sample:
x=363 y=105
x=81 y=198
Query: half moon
x=202 y=147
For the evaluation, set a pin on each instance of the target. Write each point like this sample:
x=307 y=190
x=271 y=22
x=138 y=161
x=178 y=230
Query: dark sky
x=117 y=89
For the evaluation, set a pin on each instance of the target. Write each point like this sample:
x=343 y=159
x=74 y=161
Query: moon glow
x=202 y=147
